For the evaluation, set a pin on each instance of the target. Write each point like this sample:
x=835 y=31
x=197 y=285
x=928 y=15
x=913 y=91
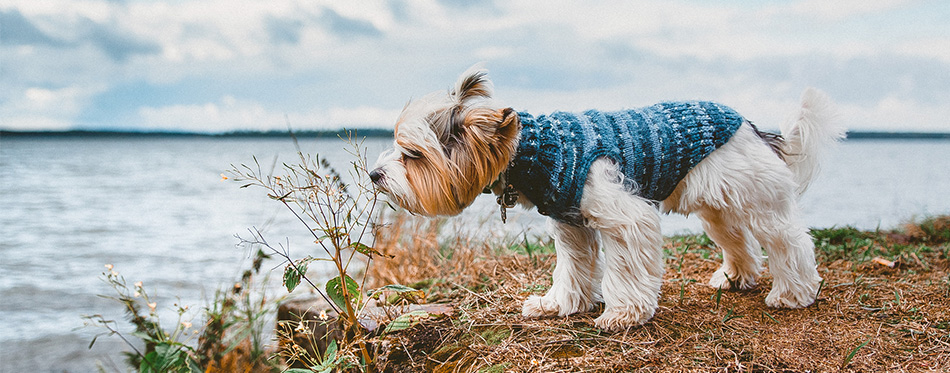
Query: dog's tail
x=808 y=134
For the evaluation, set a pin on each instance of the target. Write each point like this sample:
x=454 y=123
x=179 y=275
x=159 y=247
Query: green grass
x=847 y=243
x=905 y=244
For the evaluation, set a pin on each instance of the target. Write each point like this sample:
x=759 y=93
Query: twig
x=262 y=241
x=475 y=294
x=600 y=339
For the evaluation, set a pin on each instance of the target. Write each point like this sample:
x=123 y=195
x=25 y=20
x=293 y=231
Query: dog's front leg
x=632 y=243
x=575 y=288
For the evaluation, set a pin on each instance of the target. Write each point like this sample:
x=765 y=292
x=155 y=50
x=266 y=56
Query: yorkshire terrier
x=604 y=177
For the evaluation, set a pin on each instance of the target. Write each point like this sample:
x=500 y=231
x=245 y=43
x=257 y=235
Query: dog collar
x=508 y=196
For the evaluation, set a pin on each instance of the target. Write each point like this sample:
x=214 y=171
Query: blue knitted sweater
x=654 y=146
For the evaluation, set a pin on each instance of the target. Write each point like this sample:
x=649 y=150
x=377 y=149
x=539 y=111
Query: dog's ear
x=488 y=127
x=472 y=84
x=508 y=125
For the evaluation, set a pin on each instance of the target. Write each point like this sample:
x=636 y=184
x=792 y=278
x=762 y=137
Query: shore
x=884 y=306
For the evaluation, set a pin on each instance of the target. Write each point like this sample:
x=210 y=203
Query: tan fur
x=453 y=176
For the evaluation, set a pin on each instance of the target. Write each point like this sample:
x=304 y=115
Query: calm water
x=158 y=210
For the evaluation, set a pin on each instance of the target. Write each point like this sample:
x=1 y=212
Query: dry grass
x=868 y=317
x=418 y=254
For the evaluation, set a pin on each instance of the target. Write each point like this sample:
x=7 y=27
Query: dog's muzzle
x=375 y=176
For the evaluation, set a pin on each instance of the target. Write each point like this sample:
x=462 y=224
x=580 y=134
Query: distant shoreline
x=370 y=133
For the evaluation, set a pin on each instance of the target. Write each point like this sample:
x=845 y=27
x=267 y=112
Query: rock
x=306 y=326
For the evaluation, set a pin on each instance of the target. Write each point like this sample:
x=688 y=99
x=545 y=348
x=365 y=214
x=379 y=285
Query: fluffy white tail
x=808 y=135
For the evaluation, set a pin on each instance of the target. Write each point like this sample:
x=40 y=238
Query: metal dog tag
x=507 y=200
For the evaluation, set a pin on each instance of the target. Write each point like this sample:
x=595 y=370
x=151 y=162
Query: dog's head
x=448 y=147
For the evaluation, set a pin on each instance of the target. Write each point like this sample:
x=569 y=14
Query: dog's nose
x=375 y=175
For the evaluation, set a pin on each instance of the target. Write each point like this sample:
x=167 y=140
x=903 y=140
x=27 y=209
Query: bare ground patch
x=868 y=317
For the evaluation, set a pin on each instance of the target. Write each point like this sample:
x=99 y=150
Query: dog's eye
x=413 y=154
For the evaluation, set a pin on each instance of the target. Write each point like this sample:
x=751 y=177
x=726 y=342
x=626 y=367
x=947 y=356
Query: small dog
x=601 y=177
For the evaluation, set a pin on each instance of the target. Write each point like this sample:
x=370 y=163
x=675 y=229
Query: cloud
x=348 y=27
x=17 y=30
x=841 y=9
x=110 y=38
x=229 y=114
x=897 y=114
x=317 y=59
x=117 y=43
x=37 y=108
x=282 y=30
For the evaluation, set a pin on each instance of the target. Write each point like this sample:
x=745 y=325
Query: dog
x=603 y=207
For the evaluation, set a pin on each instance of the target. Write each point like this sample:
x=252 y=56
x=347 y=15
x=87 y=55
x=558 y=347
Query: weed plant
x=232 y=338
x=339 y=216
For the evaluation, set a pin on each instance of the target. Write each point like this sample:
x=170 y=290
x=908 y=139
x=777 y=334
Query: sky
x=225 y=65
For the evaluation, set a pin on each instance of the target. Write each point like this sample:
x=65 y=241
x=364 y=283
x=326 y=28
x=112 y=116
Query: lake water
x=158 y=210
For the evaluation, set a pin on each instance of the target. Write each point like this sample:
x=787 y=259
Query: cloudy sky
x=221 y=65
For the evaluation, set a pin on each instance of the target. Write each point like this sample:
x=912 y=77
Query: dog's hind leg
x=575 y=287
x=741 y=255
x=633 y=257
x=791 y=255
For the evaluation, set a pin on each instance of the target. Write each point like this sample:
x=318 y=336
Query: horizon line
x=365 y=132
x=369 y=132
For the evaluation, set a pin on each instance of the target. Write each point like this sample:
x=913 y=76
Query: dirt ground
x=869 y=317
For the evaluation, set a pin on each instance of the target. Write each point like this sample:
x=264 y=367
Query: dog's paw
x=536 y=306
x=799 y=297
x=618 y=319
x=722 y=280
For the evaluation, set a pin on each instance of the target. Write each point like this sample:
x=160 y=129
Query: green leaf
x=293 y=273
x=194 y=367
x=328 y=360
x=847 y=359
x=730 y=315
x=280 y=198
x=298 y=370
x=717 y=296
x=149 y=363
x=406 y=321
x=397 y=288
x=331 y=351
x=335 y=290
x=165 y=358
x=145 y=337
x=404 y=292
x=368 y=251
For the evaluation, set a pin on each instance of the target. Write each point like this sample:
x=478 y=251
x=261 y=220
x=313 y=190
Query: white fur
x=577 y=274
x=746 y=197
x=809 y=134
x=633 y=255
x=745 y=194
